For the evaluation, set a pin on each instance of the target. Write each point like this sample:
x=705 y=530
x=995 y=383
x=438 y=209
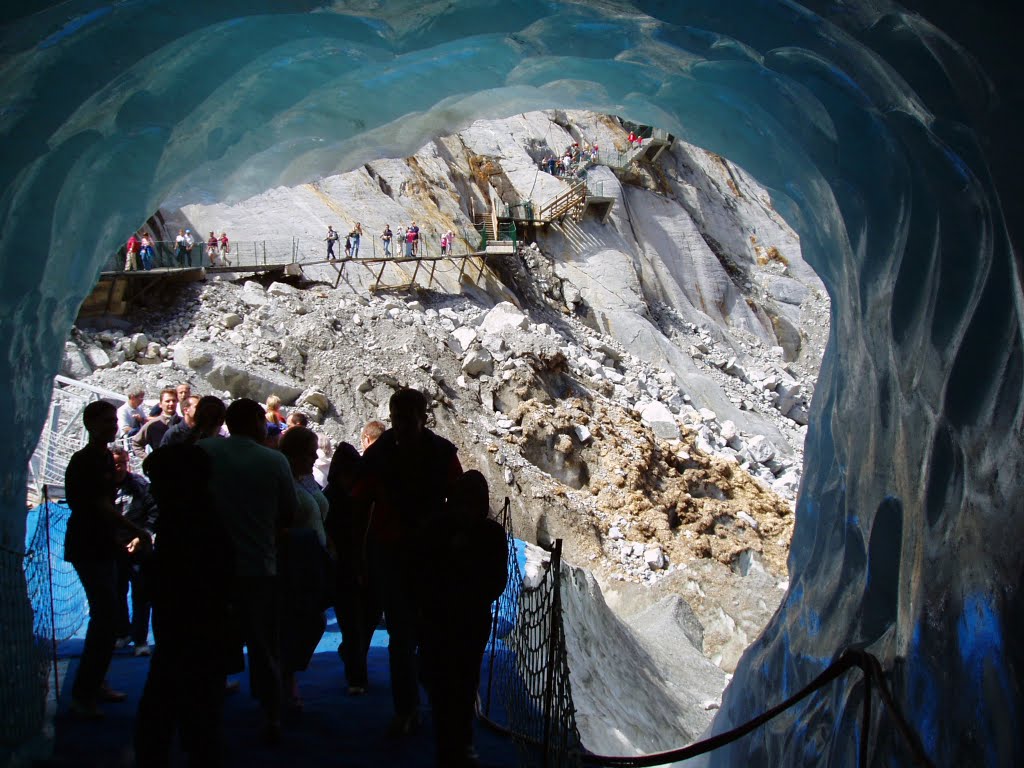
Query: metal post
x=549 y=682
x=49 y=579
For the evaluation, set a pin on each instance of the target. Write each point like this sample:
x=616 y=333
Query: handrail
x=849 y=659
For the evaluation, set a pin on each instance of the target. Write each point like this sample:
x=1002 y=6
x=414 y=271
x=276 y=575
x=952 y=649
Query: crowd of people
x=409 y=242
x=140 y=252
x=242 y=529
x=573 y=163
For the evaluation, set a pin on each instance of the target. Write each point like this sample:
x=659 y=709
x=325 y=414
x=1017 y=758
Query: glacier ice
x=881 y=139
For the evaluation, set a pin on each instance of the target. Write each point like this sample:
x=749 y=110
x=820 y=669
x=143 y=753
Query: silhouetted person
x=457 y=614
x=255 y=498
x=305 y=570
x=405 y=480
x=354 y=606
x=134 y=502
x=209 y=418
x=190 y=577
x=91 y=545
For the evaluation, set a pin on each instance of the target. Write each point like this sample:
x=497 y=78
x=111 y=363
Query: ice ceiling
x=882 y=140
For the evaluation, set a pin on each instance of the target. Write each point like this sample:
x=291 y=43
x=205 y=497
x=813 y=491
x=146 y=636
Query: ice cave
x=887 y=138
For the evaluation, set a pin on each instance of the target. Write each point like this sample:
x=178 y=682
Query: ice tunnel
x=887 y=139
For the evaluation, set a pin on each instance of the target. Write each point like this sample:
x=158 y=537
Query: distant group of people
x=573 y=162
x=140 y=250
x=408 y=238
x=237 y=538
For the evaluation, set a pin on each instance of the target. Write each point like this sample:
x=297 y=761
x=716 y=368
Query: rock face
x=642 y=413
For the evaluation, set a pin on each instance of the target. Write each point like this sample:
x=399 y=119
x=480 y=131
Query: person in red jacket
x=132 y=253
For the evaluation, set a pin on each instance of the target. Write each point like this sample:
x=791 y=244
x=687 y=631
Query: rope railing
x=850 y=659
x=529 y=696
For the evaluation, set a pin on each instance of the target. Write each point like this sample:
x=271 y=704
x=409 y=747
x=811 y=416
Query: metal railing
x=253 y=254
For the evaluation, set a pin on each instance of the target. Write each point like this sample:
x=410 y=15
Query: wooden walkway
x=115 y=291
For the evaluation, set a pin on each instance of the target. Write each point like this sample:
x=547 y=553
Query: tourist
x=134 y=502
x=208 y=418
x=385 y=238
x=255 y=498
x=190 y=243
x=369 y=434
x=212 y=253
x=225 y=246
x=457 y=613
x=354 y=604
x=180 y=251
x=305 y=572
x=190 y=578
x=405 y=478
x=348 y=245
x=331 y=239
x=273 y=411
x=183 y=391
x=152 y=433
x=91 y=546
x=355 y=236
x=324 y=454
x=410 y=243
x=182 y=431
x=146 y=251
x=131 y=415
x=131 y=254
x=450 y=237
x=414 y=232
x=296 y=419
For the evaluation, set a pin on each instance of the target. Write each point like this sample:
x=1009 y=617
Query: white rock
x=314 y=398
x=461 y=339
x=504 y=316
x=654 y=558
x=282 y=289
x=614 y=533
x=748 y=519
x=230 y=320
x=97 y=357
x=478 y=361
x=75 y=364
x=760 y=449
x=660 y=419
x=582 y=433
x=139 y=342
x=706 y=415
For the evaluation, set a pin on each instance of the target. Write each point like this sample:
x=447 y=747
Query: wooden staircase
x=572 y=203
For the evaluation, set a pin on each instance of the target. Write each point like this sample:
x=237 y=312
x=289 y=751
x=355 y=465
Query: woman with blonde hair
x=274 y=416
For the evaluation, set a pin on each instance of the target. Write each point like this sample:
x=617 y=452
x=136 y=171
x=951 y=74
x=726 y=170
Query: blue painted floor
x=333 y=729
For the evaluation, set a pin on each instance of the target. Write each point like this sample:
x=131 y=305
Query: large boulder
x=504 y=316
x=75 y=364
x=255 y=383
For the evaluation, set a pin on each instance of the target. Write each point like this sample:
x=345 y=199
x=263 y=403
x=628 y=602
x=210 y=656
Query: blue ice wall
x=879 y=136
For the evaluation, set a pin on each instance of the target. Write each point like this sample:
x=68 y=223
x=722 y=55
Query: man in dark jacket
x=91 y=546
x=405 y=479
x=134 y=503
